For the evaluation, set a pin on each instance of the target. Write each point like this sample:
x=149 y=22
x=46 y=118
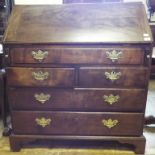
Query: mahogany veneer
x=78 y=73
x=78 y=99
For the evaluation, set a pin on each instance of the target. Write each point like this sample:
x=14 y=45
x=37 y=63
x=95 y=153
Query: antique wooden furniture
x=77 y=74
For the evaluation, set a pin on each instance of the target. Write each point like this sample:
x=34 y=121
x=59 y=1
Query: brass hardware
x=110 y=123
x=43 y=121
x=114 y=55
x=40 y=76
x=39 y=55
x=111 y=99
x=42 y=98
x=113 y=75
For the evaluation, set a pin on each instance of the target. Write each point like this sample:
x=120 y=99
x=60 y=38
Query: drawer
x=113 y=77
x=77 y=123
x=52 y=77
x=78 y=99
x=72 y=55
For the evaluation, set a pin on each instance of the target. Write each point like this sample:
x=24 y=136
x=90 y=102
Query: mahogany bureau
x=78 y=73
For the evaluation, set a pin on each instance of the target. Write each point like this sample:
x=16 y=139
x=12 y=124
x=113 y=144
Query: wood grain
x=78 y=55
x=77 y=123
x=78 y=99
x=79 y=23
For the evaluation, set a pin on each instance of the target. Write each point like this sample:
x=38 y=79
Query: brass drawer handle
x=114 y=55
x=43 y=122
x=111 y=99
x=40 y=76
x=39 y=55
x=110 y=123
x=113 y=76
x=42 y=98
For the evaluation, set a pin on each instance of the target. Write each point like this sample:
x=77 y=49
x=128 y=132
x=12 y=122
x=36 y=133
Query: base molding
x=136 y=144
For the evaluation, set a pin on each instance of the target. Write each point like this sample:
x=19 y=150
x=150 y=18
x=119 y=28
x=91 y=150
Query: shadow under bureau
x=78 y=74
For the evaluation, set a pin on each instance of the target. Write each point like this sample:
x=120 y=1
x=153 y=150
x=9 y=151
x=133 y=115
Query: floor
x=149 y=131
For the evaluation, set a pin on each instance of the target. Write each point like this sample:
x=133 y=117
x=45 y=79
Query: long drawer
x=113 y=77
x=72 y=55
x=51 y=77
x=77 y=123
x=77 y=99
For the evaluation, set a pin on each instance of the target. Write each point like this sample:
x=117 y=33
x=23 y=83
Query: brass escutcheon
x=40 y=76
x=43 y=122
x=42 y=98
x=114 y=55
x=111 y=99
x=113 y=76
x=110 y=123
x=39 y=55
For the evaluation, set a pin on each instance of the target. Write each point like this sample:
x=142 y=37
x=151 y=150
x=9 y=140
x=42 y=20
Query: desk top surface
x=79 y=23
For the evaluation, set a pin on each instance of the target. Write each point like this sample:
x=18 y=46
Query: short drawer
x=52 y=77
x=77 y=123
x=77 y=55
x=77 y=99
x=113 y=77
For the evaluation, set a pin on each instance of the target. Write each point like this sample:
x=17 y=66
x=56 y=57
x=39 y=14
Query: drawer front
x=77 y=99
x=78 y=123
x=65 y=55
x=113 y=77
x=55 y=77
